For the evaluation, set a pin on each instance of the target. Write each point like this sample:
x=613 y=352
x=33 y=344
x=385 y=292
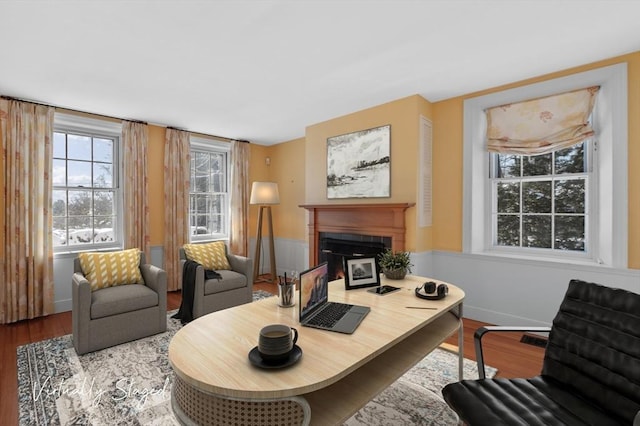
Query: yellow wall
x=447 y=119
x=403 y=115
x=447 y=176
x=258 y=171
x=299 y=166
x=447 y=160
x=287 y=168
x=155 y=170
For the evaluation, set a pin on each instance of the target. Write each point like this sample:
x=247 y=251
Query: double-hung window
x=541 y=202
x=565 y=203
x=86 y=197
x=209 y=190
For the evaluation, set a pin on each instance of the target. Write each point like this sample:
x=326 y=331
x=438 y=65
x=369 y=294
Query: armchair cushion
x=229 y=281
x=110 y=269
x=212 y=256
x=120 y=299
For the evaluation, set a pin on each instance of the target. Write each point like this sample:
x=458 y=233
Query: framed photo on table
x=360 y=272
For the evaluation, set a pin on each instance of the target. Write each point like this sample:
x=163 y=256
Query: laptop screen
x=314 y=288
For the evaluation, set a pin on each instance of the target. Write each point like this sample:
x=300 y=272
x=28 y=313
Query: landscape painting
x=358 y=164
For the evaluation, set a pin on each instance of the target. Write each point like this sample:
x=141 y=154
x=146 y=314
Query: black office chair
x=590 y=374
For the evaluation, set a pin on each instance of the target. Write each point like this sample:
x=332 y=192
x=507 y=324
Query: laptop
x=315 y=309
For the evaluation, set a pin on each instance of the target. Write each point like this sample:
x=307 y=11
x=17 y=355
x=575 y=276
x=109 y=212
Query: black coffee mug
x=276 y=341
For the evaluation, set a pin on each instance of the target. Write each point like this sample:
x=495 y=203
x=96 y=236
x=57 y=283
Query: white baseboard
x=62 y=305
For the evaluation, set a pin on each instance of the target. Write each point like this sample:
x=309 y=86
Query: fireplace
x=333 y=248
x=378 y=226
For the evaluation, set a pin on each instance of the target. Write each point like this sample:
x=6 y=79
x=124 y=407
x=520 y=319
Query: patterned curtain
x=540 y=126
x=26 y=276
x=238 y=240
x=135 y=138
x=177 y=160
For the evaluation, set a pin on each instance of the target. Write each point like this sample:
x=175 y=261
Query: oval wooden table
x=215 y=383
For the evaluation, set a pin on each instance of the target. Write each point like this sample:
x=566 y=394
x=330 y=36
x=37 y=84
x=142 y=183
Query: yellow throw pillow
x=110 y=269
x=212 y=256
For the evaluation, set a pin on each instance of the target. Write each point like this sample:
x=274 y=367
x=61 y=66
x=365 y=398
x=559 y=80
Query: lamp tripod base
x=272 y=254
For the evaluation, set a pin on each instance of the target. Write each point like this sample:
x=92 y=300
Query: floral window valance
x=542 y=125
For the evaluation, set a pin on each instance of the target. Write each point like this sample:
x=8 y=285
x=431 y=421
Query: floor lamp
x=264 y=194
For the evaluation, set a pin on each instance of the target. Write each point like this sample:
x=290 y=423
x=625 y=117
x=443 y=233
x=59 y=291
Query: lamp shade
x=264 y=193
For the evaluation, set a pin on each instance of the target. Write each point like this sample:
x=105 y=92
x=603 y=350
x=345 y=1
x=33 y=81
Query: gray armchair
x=234 y=288
x=114 y=315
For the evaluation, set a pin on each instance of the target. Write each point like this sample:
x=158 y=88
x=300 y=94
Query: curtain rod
x=12 y=98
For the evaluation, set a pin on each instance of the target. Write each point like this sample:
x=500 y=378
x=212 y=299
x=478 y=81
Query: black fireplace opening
x=333 y=249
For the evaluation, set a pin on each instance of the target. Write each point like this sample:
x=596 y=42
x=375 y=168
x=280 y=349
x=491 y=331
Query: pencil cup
x=285 y=294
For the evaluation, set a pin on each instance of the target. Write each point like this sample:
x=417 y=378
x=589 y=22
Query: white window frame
x=95 y=127
x=608 y=230
x=213 y=146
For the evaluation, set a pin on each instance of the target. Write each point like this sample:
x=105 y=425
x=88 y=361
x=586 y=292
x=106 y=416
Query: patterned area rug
x=416 y=397
x=130 y=384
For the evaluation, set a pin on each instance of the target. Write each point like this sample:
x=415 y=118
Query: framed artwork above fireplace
x=360 y=272
x=359 y=165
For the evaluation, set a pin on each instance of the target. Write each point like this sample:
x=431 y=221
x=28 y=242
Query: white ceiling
x=264 y=70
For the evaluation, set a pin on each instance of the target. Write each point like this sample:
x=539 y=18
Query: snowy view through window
x=84 y=189
x=208 y=194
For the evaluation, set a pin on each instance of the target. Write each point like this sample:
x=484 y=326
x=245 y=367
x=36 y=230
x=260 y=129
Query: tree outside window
x=540 y=201
x=208 y=207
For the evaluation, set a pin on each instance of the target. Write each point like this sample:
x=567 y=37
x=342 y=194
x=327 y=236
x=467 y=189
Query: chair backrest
x=78 y=268
x=594 y=346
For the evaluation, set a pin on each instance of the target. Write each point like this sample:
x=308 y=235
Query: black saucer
x=256 y=359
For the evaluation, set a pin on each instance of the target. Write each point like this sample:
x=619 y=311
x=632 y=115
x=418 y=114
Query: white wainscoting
x=290 y=255
x=498 y=290
x=516 y=291
x=62 y=273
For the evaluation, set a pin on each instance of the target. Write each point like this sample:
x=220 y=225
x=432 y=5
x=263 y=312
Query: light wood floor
x=503 y=351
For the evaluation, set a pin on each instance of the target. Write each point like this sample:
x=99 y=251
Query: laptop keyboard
x=330 y=314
